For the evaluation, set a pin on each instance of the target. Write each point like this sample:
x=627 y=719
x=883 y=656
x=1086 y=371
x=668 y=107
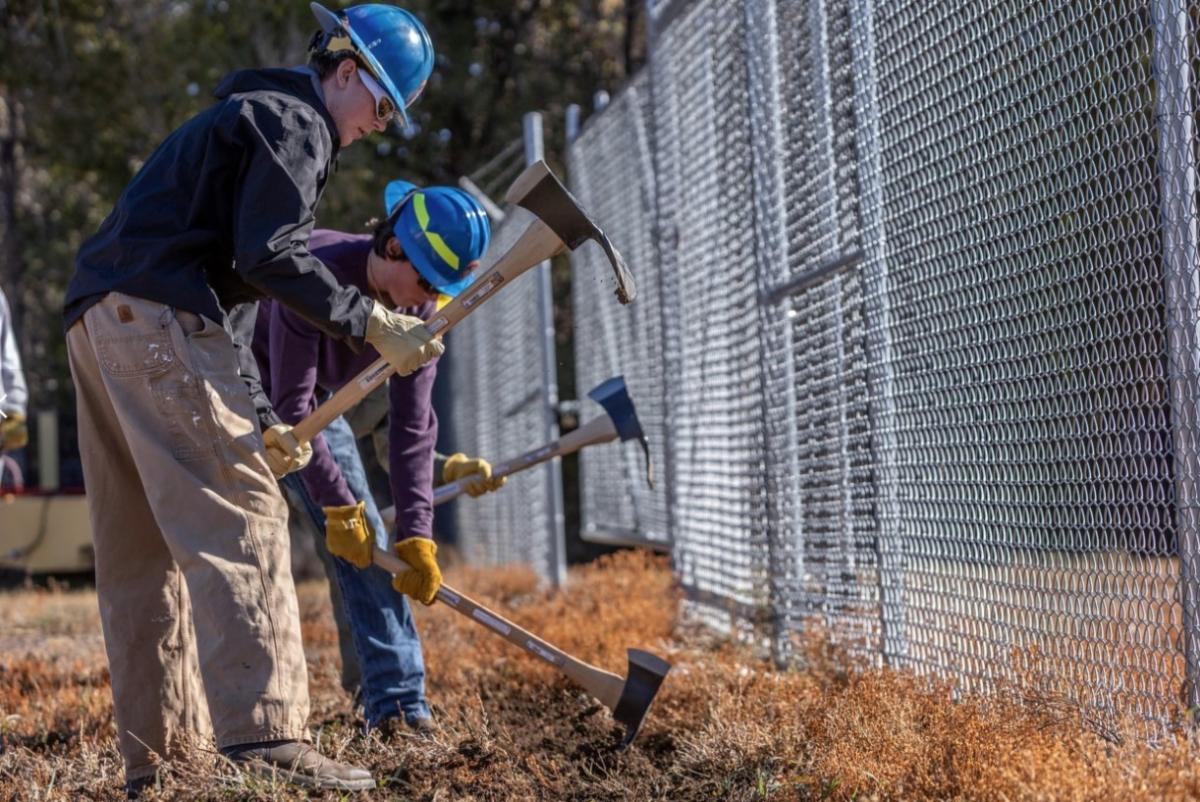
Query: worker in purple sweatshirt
x=422 y=255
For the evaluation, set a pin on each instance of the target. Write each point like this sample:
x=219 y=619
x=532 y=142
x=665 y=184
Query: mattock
x=620 y=420
x=561 y=224
x=628 y=697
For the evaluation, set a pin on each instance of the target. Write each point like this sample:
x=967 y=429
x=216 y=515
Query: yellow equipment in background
x=45 y=534
x=43 y=531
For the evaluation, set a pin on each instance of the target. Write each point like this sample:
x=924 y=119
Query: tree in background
x=89 y=87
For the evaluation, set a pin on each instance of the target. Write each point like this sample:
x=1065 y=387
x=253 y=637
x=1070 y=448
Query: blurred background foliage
x=88 y=88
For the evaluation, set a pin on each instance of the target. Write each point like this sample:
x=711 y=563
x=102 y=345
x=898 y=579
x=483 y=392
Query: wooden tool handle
x=537 y=244
x=603 y=685
x=597 y=430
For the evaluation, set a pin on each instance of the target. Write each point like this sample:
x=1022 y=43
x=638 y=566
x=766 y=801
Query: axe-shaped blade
x=645 y=677
x=547 y=198
x=613 y=395
x=628 y=698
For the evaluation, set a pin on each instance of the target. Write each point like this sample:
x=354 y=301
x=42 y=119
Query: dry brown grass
x=725 y=727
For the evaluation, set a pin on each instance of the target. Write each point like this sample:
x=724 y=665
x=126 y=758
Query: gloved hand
x=14 y=433
x=284 y=452
x=423 y=581
x=402 y=340
x=459 y=466
x=348 y=535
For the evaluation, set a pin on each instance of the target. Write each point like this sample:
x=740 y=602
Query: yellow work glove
x=14 y=433
x=402 y=340
x=284 y=452
x=348 y=535
x=423 y=581
x=460 y=466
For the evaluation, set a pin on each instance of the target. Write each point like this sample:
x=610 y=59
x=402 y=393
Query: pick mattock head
x=613 y=395
x=645 y=677
x=557 y=208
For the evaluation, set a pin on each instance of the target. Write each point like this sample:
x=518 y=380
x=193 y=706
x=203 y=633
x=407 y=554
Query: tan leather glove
x=284 y=452
x=14 y=433
x=423 y=581
x=460 y=466
x=402 y=340
x=348 y=535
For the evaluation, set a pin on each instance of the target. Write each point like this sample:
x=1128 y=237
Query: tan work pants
x=192 y=563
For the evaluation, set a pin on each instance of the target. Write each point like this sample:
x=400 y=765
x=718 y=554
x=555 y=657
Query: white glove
x=402 y=340
x=284 y=452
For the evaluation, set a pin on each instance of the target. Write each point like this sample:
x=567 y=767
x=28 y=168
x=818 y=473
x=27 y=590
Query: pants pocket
x=148 y=353
x=190 y=322
x=180 y=401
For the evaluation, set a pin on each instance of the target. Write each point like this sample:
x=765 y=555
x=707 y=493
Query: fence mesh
x=617 y=503
x=917 y=337
x=499 y=401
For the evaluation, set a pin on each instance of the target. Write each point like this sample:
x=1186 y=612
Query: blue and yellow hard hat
x=444 y=232
x=392 y=41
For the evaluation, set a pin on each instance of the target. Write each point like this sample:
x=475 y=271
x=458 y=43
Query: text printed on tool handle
x=371 y=379
x=492 y=621
x=483 y=290
x=545 y=654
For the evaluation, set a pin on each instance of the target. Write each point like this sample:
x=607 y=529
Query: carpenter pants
x=192 y=554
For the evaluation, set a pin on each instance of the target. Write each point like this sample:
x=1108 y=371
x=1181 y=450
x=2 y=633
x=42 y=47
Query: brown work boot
x=300 y=764
x=393 y=728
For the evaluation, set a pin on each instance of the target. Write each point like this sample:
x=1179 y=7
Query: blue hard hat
x=392 y=41
x=444 y=232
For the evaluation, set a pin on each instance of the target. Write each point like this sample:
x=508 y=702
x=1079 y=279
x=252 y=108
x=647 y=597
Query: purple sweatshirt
x=297 y=360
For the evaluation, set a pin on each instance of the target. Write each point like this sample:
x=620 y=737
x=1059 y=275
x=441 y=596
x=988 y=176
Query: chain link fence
x=616 y=503
x=916 y=345
x=505 y=395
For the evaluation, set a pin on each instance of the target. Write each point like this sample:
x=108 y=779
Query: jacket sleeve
x=12 y=378
x=241 y=322
x=295 y=352
x=411 y=438
x=286 y=155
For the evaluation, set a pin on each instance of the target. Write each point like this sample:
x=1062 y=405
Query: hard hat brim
x=413 y=253
x=395 y=194
x=326 y=18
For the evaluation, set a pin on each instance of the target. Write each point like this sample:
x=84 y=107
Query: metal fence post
x=48 y=467
x=1177 y=182
x=889 y=529
x=557 y=553
x=785 y=555
x=572 y=123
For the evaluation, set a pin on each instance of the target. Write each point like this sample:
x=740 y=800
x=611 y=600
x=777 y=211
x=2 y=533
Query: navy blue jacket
x=220 y=214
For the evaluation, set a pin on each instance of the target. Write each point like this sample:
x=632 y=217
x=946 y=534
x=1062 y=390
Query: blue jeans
x=381 y=623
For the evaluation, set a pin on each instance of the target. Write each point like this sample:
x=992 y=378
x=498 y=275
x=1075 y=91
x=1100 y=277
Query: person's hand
x=402 y=340
x=348 y=535
x=476 y=470
x=14 y=433
x=284 y=452
x=423 y=581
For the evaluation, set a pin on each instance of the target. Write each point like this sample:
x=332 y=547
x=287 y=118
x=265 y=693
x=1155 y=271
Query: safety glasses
x=385 y=109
